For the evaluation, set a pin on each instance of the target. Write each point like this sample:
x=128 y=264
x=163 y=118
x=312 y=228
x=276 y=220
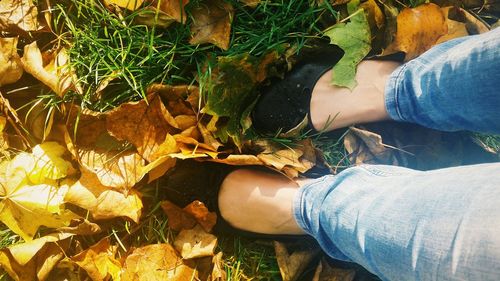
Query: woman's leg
x=453 y=86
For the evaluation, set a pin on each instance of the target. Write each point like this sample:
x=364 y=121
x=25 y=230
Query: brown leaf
x=293 y=264
x=203 y=216
x=18 y=15
x=325 y=272
x=178 y=219
x=11 y=68
x=99 y=261
x=103 y=202
x=145 y=124
x=195 y=243
x=212 y=23
x=100 y=153
x=157 y=262
x=173 y=8
x=56 y=74
x=367 y=147
x=418 y=29
x=455 y=28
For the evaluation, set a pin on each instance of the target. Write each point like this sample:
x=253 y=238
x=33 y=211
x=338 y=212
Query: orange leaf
x=99 y=261
x=418 y=29
x=200 y=212
x=178 y=219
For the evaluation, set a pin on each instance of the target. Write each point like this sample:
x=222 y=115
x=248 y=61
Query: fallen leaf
x=195 y=243
x=145 y=124
x=455 y=28
x=325 y=272
x=56 y=74
x=355 y=39
x=251 y=3
x=99 y=261
x=212 y=23
x=11 y=68
x=103 y=202
x=418 y=29
x=211 y=268
x=203 y=216
x=157 y=262
x=367 y=147
x=18 y=15
x=293 y=262
x=114 y=164
x=127 y=4
x=178 y=219
x=173 y=9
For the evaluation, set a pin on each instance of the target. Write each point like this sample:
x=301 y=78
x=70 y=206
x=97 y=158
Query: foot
x=335 y=107
x=259 y=201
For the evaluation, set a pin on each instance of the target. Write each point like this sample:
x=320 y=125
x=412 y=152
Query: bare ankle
x=334 y=107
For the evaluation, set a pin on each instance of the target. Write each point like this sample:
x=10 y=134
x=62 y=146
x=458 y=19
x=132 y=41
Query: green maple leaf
x=354 y=38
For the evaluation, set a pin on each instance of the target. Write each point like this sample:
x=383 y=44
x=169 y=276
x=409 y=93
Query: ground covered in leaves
x=100 y=102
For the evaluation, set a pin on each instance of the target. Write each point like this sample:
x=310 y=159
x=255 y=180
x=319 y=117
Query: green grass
x=107 y=45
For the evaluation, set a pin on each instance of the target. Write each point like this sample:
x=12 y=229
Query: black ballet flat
x=284 y=104
x=191 y=180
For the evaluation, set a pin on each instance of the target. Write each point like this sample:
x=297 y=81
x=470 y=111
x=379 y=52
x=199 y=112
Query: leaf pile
x=99 y=99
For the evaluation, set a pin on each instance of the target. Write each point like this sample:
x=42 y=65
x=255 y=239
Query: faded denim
x=403 y=224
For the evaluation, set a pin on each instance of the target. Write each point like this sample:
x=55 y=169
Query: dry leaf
x=203 y=216
x=173 y=9
x=11 y=68
x=18 y=15
x=418 y=29
x=251 y=3
x=127 y=4
x=144 y=124
x=178 y=219
x=56 y=74
x=195 y=243
x=293 y=264
x=158 y=262
x=99 y=261
x=212 y=23
x=325 y=272
x=99 y=153
x=103 y=202
x=455 y=28
x=367 y=147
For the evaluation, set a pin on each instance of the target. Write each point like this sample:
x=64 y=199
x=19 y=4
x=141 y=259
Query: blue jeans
x=403 y=224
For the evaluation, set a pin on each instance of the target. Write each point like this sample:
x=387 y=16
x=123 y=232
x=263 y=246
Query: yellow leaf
x=195 y=243
x=127 y=4
x=212 y=23
x=102 y=201
x=26 y=208
x=18 y=15
x=48 y=163
x=99 y=261
x=157 y=262
x=11 y=68
x=57 y=74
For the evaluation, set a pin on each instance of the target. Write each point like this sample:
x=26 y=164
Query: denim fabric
x=403 y=224
x=453 y=86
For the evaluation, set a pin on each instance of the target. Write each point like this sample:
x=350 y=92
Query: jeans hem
x=392 y=93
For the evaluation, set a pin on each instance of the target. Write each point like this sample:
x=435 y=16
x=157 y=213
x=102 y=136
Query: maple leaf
x=56 y=74
x=212 y=23
x=157 y=262
x=99 y=261
x=418 y=29
x=18 y=15
x=354 y=38
x=103 y=202
x=195 y=243
x=145 y=124
x=98 y=152
x=11 y=68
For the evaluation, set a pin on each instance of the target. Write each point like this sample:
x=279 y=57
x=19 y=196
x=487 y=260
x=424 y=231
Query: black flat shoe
x=191 y=180
x=284 y=104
